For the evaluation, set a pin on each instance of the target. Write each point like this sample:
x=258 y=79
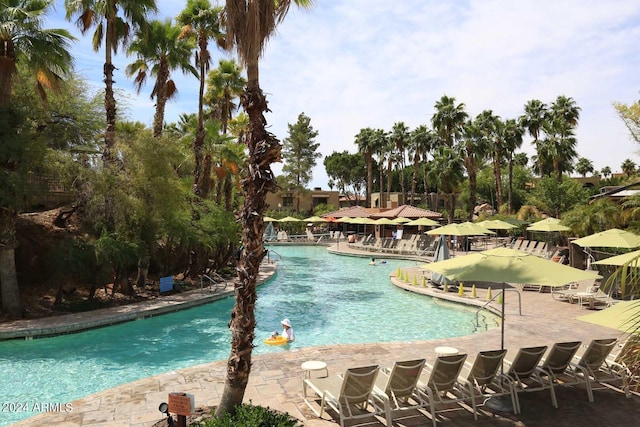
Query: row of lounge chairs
x=586 y=293
x=415 y=385
x=414 y=244
x=532 y=247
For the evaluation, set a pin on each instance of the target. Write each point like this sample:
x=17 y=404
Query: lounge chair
x=594 y=296
x=555 y=364
x=484 y=380
x=440 y=381
x=398 y=387
x=570 y=291
x=593 y=365
x=522 y=372
x=350 y=395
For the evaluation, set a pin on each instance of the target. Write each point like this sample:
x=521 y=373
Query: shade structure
x=441 y=254
x=401 y=220
x=614 y=238
x=423 y=221
x=269 y=219
x=508 y=265
x=504 y=265
x=384 y=221
x=619 y=260
x=289 y=219
x=622 y=316
x=315 y=219
x=464 y=229
x=496 y=224
x=549 y=225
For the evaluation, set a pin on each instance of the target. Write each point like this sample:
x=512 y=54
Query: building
x=304 y=201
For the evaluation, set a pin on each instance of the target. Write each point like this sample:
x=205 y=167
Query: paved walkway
x=276 y=378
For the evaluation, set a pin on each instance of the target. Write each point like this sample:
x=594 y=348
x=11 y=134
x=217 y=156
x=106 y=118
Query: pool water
x=328 y=298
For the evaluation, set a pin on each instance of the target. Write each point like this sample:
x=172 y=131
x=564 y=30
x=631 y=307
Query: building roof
x=406 y=211
x=352 y=212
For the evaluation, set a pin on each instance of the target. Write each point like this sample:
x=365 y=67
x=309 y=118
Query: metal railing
x=484 y=306
x=218 y=282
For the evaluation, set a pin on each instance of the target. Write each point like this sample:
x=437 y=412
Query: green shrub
x=248 y=415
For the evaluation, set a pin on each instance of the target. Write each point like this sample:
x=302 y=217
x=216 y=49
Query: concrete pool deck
x=276 y=378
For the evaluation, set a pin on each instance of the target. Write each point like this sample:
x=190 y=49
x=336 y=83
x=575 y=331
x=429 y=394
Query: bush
x=248 y=415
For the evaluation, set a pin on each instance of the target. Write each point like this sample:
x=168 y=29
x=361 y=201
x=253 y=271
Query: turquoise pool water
x=328 y=298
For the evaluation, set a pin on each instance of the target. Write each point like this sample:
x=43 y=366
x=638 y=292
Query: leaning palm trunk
x=264 y=149
x=10 y=292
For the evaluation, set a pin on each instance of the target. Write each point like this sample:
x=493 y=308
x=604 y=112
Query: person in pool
x=373 y=261
x=287 y=330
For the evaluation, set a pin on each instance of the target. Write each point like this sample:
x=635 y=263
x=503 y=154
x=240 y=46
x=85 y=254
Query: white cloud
x=371 y=63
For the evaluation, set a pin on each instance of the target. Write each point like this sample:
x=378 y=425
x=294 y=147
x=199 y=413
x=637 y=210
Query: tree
x=606 y=172
x=535 y=113
x=474 y=148
x=448 y=120
x=560 y=144
x=365 y=142
x=23 y=40
x=202 y=22
x=493 y=131
x=628 y=167
x=382 y=149
x=630 y=115
x=114 y=20
x=584 y=166
x=300 y=153
x=159 y=50
x=250 y=23
x=447 y=173
x=400 y=138
x=224 y=86
x=556 y=198
x=513 y=133
x=421 y=141
x=347 y=171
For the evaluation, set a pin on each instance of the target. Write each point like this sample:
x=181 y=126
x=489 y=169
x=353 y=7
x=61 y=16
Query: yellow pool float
x=279 y=340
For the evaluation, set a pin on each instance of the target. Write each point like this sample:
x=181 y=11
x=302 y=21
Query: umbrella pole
x=502 y=321
x=501 y=403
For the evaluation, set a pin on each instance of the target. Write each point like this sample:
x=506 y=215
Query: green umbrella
x=496 y=224
x=289 y=219
x=614 y=238
x=504 y=265
x=620 y=260
x=401 y=220
x=361 y=220
x=622 y=316
x=384 y=221
x=269 y=219
x=463 y=229
x=344 y=219
x=423 y=221
x=315 y=219
x=510 y=266
x=548 y=225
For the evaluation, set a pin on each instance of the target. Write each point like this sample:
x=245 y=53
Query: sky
x=352 y=64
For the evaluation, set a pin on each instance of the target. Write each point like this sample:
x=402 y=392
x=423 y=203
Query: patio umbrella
x=458 y=230
x=614 y=238
x=548 y=225
x=401 y=220
x=315 y=219
x=384 y=221
x=344 y=219
x=496 y=224
x=423 y=221
x=504 y=265
x=361 y=220
x=441 y=254
x=289 y=219
x=620 y=260
x=622 y=316
x=269 y=219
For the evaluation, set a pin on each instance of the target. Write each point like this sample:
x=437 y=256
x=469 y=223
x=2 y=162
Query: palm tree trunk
x=473 y=185
x=161 y=100
x=510 y=185
x=369 y=179
x=414 y=180
x=9 y=290
x=264 y=149
x=198 y=144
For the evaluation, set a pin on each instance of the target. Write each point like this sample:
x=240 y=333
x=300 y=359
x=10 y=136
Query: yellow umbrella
x=548 y=225
x=496 y=224
x=401 y=220
x=614 y=238
x=361 y=220
x=622 y=316
x=315 y=218
x=344 y=219
x=384 y=221
x=269 y=219
x=423 y=221
x=459 y=230
x=620 y=260
x=289 y=219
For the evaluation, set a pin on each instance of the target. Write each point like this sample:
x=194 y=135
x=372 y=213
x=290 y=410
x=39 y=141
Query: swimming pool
x=328 y=298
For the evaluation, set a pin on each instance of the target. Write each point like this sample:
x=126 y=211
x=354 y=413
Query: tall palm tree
x=606 y=172
x=45 y=54
x=492 y=129
x=473 y=147
x=400 y=138
x=628 y=167
x=448 y=119
x=224 y=85
x=115 y=20
x=365 y=143
x=513 y=134
x=203 y=23
x=420 y=143
x=447 y=173
x=535 y=113
x=383 y=153
x=249 y=24
x=159 y=51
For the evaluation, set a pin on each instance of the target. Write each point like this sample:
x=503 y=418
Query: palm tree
x=420 y=142
x=400 y=138
x=448 y=119
x=447 y=173
x=513 y=134
x=114 y=20
x=382 y=150
x=249 y=24
x=535 y=113
x=224 y=85
x=45 y=54
x=159 y=51
x=606 y=172
x=628 y=167
x=492 y=129
x=202 y=22
x=584 y=166
x=563 y=119
x=365 y=143
x=474 y=148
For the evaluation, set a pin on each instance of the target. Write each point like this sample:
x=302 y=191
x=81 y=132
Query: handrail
x=268 y=256
x=495 y=297
x=217 y=283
